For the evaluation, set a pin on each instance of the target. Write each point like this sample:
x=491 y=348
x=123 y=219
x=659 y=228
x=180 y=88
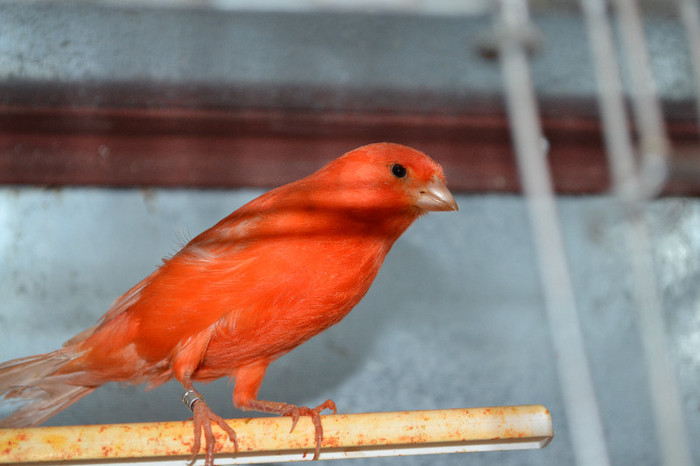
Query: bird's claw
x=202 y=417
x=315 y=414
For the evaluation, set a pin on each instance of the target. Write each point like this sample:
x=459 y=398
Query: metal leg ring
x=190 y=397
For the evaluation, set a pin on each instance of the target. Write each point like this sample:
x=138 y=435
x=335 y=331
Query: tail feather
x=33 y=383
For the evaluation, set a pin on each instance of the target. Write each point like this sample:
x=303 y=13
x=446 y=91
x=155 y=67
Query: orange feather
x=263 y=280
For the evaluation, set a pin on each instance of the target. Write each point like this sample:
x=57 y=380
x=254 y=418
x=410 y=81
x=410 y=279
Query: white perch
x=268 y=439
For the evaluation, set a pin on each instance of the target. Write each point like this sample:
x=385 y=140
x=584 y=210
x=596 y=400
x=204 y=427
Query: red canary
x=265 y=279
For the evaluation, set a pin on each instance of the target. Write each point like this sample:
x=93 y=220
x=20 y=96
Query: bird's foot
x=202 y=417
x=293 y=411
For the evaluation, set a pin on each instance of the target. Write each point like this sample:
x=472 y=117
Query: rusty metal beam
x=212 y=148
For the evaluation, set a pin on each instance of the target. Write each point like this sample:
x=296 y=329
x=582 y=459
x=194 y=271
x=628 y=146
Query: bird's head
x=391 y=178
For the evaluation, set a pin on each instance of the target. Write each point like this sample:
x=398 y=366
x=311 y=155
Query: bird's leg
x=248 y=381
x=286 y=409
x=202 y=417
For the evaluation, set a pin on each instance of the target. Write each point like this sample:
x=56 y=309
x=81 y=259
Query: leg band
x=190 y=397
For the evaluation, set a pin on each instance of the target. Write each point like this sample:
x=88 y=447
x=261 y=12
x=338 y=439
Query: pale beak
x=435 y=196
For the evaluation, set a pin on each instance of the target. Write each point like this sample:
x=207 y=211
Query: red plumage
x=263 y=280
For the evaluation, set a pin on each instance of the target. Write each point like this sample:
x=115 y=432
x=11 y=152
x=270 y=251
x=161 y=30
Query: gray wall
x=52 y=52
x=455 y=318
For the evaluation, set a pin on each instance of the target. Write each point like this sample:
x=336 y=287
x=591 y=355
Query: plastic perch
x=268 y=439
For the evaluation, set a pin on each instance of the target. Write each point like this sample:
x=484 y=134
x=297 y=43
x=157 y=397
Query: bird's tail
x=37 y=385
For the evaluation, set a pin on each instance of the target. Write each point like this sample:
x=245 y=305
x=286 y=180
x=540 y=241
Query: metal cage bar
x=577 y=386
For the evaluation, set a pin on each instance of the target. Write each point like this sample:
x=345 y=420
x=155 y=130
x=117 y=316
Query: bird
x=263 y=280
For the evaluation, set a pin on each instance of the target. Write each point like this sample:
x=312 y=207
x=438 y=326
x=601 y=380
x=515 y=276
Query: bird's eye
x=398 y=170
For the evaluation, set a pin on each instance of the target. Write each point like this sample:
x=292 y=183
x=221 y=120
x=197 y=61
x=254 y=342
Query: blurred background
x=127 y=127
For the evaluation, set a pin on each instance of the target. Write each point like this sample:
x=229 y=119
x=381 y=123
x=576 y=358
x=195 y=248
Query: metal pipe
x=653 y=142
x=268 y=439
x=689 y=13
x=577 y=386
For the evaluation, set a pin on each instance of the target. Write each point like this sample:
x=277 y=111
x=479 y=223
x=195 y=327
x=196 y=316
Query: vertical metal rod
x=611 y=99
x=665 y=396
x=689 y=13
x=666 y=400
x=653 y=142
x=572 y=364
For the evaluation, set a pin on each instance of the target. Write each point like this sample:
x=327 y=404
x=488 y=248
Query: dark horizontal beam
x=207 y=148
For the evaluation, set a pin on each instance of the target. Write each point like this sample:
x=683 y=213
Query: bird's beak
x=435 y=196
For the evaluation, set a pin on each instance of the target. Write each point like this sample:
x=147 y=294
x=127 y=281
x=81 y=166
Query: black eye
x=398 y=170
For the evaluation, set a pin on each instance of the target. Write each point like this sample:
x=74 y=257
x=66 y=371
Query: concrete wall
x=455 y=318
